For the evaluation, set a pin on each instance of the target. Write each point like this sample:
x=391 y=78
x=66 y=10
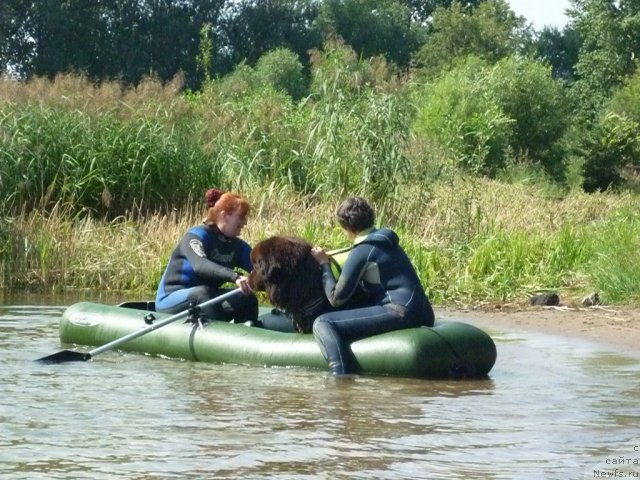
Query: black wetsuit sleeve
x=339 y=292
x=204 y=268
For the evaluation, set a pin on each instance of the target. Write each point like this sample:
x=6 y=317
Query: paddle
x=71 y=356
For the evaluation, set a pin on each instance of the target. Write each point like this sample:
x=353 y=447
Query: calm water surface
x=552 y=408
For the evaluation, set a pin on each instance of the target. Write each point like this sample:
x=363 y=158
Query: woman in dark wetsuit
x=381 y=267
x=206 y=258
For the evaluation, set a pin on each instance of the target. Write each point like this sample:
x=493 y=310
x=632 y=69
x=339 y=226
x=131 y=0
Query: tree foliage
x=372 y=27
x=560 y=48
x=483 y=113
x=247 y=29
x=613 y=143
x=125 y=39
x=537 y=103
x=421 y=10
x=610 y=32
x=626 y=100
x=490 y=31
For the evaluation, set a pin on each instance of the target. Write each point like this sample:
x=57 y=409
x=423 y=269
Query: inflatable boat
x=448 y=349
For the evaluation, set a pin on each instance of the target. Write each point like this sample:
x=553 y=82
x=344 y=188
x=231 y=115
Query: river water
x=553 y=408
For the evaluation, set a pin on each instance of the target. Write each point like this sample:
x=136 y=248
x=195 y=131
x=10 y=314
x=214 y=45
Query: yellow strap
x=339 y=250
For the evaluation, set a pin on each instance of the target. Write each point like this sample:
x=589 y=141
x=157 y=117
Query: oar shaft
x=162 y=323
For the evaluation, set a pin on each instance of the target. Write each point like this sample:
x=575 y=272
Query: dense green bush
x=239 y=82
x=612 y=143
x=460 y=112
x=281 y=69
x=486 y=114
x=626 y=100
x=537 y=103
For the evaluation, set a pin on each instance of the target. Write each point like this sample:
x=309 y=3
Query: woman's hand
x=243 y=284
x=320 y=255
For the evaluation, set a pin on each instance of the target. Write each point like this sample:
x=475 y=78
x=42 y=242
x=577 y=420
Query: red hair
x=212 y=196
x=228 y=203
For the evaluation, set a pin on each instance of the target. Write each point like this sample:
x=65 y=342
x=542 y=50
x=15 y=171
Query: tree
x=528 y=94
x=610 y=31
x=482 y=113
x=12 y=52
x=613 y=139
x=491 y=31
x=372 y=27
x=560 y=48
x=125 y=39
x=626 y=100
x=612 y=143
x=249 y=28
x=421 y=10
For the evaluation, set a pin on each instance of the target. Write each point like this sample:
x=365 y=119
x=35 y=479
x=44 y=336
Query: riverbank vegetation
x=476 y=241
x=504 y=175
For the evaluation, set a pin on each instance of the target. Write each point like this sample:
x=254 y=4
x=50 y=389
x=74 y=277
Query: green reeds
x=506 y=262
x=97 y=185
x=95 y=162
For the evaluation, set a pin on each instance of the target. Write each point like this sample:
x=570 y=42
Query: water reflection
x=351 y=425
x=552 y=408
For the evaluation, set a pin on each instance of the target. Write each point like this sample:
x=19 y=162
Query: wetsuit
x=201 y=262
x=379 y=265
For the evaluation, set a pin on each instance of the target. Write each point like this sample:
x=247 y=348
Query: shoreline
x=616 y=327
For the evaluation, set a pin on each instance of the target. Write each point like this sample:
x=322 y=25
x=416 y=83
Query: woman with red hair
x=208 y=256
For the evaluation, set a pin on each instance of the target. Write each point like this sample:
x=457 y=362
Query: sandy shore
x=619 y=327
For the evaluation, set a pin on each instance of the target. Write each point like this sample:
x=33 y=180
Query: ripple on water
x=552 y=408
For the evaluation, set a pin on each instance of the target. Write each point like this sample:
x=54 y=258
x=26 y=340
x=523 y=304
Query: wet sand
x=618 y=327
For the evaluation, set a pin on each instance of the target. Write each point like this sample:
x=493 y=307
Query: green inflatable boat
x=449 y=349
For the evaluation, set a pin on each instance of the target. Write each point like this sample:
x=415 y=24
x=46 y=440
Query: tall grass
x=55 y=252
x=108 y=150
x=104 y=160
x=508 y=259
x=613 y=266
x=97 y=184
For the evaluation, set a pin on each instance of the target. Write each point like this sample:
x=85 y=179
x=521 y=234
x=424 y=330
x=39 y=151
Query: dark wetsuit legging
x=237 y=307
x=382 y=268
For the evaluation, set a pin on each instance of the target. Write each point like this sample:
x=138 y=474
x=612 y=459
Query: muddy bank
x=618 y=327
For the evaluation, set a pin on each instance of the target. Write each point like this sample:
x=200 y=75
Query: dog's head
x=275 y=260
x=285 y=269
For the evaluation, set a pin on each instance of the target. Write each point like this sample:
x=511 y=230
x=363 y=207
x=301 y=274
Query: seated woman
x=378 y=263
x=205 y=259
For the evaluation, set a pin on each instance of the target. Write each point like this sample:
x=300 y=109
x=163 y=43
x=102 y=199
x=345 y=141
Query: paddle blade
x=65 y=356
